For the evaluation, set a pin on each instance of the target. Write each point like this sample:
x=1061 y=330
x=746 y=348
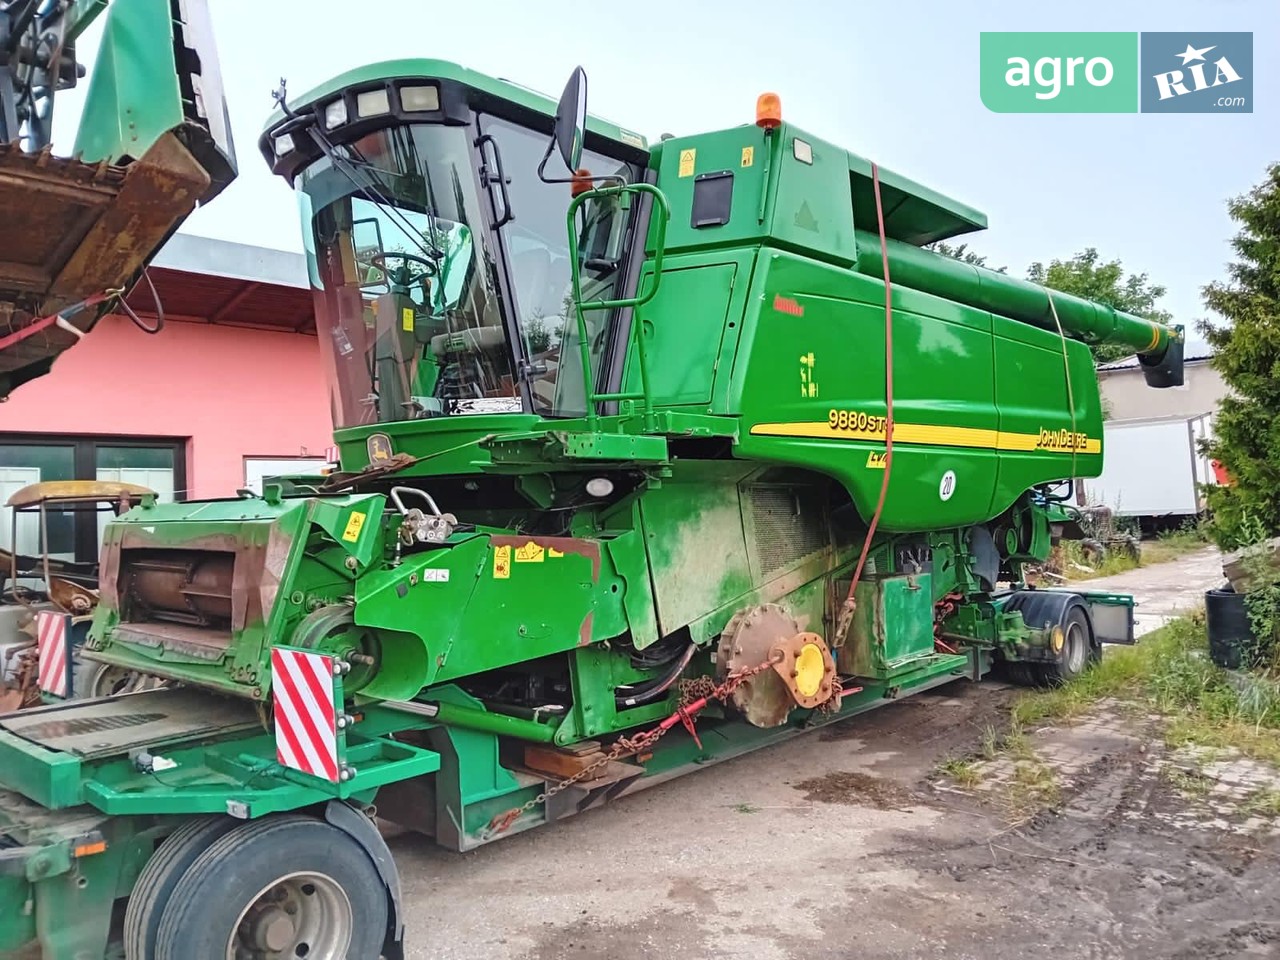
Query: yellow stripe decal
x=1155 y=338
x=1046 y=441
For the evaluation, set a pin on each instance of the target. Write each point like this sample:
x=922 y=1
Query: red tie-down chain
x=625 y=746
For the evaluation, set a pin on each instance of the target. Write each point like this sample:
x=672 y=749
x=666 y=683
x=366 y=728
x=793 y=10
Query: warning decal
x=531 y=553
x=354 y=525
x=748 y=156
x=502 y=562
x=687 y=160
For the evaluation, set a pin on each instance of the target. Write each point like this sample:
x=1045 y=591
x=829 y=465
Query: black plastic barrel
x=1231 y=640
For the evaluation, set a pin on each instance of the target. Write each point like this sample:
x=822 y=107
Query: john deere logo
x=379 y=447
x=1197 y=72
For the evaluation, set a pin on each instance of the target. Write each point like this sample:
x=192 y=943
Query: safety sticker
x=876 y=460
x=406 y=319
x=687 y=160
x=748 y=156
x=432 y=575
x=531 y=553
x=354 y=525
x=553 y=553
x=947 y=486
x=502 y=562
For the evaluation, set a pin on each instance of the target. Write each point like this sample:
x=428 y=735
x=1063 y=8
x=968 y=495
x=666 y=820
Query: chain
x=694 y=695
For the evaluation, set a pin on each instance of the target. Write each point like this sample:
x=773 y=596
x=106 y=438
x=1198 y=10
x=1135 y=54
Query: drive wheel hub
x=803 y=671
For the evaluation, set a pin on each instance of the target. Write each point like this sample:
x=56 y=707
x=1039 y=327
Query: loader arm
x=153 y=142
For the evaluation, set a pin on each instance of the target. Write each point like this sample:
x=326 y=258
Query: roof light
x=335 y=114
x=768 y=111
x=283 y=144
x=371 y=103
x=420 y=99
x=599 y=486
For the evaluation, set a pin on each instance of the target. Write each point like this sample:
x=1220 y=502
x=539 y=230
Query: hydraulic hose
x=850 y=604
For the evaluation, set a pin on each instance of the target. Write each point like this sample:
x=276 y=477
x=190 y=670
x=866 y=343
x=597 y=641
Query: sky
x=896 y=82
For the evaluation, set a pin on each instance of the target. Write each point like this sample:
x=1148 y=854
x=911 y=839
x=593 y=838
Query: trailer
x=650 y=455
x=1154 y=469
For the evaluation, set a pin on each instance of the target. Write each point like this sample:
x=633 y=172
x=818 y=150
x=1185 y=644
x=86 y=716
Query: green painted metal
x=892 y=628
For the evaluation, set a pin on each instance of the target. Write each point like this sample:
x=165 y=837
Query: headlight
x=419 y=99
x=335 y=114
x=283 y=144
x=370 y=103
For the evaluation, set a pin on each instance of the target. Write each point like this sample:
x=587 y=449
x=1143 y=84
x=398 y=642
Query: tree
x=1086 y=276
x=962 y=253
x=1247 y=353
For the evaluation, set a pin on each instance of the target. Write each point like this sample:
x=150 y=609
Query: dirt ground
x=847 y=843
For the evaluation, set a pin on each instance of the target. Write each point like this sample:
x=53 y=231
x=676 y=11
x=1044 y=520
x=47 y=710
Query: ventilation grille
x=788 y=524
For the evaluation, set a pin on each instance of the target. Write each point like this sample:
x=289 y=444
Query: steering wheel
x=429 y=267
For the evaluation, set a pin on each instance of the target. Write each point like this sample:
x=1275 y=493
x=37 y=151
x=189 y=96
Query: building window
x=76 y=535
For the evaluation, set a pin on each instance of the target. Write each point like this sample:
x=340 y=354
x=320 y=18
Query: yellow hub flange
x=805 y=665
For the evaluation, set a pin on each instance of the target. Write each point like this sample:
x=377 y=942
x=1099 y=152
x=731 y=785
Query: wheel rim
x=300 y=915
x=1075 y=653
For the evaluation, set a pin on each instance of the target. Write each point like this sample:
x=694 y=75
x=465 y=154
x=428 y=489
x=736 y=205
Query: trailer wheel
x=282 y=887
x=1077 y=650
x=158 y=878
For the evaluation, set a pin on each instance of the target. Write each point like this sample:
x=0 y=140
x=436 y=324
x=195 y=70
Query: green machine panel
x=892 y=629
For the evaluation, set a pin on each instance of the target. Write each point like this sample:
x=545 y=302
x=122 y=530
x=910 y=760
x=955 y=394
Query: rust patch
x=565 y=545
x=584 y=632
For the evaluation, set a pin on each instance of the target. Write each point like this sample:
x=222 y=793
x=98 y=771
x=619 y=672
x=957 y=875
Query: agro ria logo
x=1178 y=83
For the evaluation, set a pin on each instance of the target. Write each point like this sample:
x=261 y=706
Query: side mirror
x=571 y=119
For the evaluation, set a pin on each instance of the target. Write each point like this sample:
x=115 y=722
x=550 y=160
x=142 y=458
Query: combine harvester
x=651 y=456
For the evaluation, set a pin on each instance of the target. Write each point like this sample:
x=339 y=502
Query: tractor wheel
x=1077 y=651
x=285 y=886
x=158 y=878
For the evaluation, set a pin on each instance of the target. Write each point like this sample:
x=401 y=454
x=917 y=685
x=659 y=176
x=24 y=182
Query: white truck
x=1153 y=468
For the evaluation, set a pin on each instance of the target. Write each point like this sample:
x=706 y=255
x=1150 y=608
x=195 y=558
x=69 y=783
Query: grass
x=1263 y=802
x=963 y=770
x=1169 y=672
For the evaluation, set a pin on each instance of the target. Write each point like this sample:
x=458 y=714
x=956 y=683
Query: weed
x=745 y=808
x=1265 y=802
x=964 y=771
x=1034 y=785
x=1193 y=783
x=990 y=743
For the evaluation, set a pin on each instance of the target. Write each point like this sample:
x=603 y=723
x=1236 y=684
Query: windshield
x=408 y=311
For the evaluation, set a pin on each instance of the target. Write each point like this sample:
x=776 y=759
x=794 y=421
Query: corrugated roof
x=1131 y=362
x=201 y=280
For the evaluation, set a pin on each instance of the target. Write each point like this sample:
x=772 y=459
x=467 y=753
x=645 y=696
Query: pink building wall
x=231 y=391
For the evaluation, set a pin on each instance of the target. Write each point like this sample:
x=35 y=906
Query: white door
x=13 y=479
x=257 y=469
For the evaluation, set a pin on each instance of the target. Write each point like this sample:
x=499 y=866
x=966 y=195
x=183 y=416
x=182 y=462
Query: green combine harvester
x=651 y=455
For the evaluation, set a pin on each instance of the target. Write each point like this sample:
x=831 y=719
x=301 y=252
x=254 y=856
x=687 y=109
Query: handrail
x=634 y=334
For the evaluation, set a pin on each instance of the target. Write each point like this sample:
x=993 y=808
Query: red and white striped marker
x=52 y=638
x=305 y=713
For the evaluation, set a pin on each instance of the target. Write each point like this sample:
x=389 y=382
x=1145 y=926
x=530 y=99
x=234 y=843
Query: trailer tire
x=1077 y=649
x=155 y=884
x=337 y=896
